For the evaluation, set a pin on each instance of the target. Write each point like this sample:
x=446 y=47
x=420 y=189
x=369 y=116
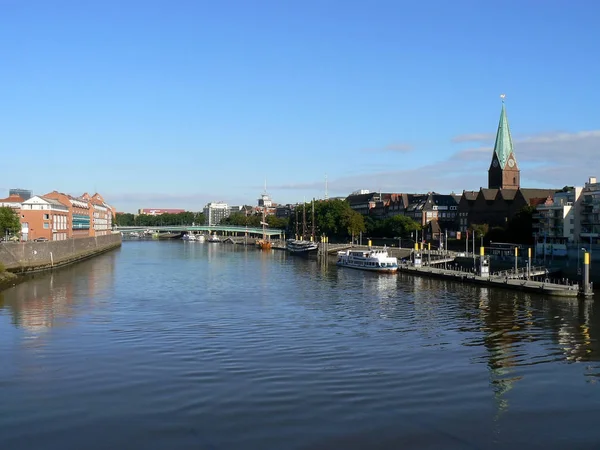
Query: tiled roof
x=507 y=194
x=533 y=196
x=12 y=199
x=489 y=194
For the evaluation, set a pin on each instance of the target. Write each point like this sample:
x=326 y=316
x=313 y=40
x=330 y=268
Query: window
x=46 y=216
x=46 y=225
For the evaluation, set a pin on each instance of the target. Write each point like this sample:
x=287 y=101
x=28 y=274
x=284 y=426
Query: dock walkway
x=539 y=287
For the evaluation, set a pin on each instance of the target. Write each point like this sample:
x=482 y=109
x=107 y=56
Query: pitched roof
x=14 y=198
x=507 y=194
x=536 y=196
x=489 y=194
x=503 y=146
x=470 y=195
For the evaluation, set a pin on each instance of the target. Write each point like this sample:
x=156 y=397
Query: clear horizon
x=163 y=105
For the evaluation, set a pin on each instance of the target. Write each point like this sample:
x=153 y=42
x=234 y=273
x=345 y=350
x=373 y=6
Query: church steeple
x=503 y=172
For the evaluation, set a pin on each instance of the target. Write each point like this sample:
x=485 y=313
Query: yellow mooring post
x=586 y=274
x=528 y=262
x=429 y=253
x=416 y=246
x=369 y=242
x=516 y=256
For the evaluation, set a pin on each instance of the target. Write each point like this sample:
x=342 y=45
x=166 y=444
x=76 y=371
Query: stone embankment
x=27 y=257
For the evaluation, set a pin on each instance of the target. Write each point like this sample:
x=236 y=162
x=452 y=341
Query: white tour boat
x=214 y=238
x=372 y=259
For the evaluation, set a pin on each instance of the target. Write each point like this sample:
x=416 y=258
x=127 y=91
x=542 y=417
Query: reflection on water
x=47 y=300
x=219 y=346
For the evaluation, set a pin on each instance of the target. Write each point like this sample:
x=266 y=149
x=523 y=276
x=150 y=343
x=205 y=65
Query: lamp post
x=516 y=256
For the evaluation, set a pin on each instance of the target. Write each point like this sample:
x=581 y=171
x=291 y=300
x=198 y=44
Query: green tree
x=402 y=226
x=355 y=224
x=124 y=219
x=479 y=230
x=9 y=222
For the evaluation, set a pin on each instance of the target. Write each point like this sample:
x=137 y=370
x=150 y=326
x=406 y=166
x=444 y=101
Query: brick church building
x=504 y=196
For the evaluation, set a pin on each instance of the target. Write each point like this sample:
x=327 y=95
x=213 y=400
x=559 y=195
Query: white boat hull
x=371 y=260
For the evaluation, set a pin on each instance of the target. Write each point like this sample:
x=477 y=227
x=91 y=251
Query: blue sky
x=177 y=103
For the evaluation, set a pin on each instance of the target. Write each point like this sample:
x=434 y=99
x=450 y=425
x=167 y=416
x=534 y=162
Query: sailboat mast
x=303 y=220
x=312 y=222
x=297 y=222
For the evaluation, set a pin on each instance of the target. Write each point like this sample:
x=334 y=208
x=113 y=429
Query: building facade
x=214 y=212
x=557 y=220
x=44 y=218
x=79 y=216
x=590 y=211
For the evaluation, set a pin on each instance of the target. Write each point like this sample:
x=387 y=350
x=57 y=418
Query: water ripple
x=183 y=345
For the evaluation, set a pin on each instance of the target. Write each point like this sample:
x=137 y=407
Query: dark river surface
x=175 y=345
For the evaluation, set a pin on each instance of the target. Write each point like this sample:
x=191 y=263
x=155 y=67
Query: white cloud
x=551 y=159
x=393 y=148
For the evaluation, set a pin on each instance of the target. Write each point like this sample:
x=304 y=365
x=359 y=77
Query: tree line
x=146 y=220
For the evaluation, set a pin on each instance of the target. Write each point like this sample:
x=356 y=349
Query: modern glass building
x=25 y=194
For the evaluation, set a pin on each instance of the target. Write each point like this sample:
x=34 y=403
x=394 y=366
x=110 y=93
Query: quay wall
x=28 y=257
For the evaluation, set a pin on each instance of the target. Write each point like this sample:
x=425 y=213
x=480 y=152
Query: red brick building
x=44 y=218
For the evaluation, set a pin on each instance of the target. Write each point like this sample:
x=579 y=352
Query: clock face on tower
x=495 y=163
x=511 y=163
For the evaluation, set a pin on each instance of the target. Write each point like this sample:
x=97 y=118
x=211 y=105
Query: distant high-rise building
x=25 y=194
x=214 y=212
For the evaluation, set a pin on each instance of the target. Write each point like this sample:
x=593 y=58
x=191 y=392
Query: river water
x=175 y=345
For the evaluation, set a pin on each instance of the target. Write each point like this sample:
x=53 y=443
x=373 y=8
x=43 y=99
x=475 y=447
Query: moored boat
x=263 y=244
x=301 y=247
x=375 y=260
x=214 y=238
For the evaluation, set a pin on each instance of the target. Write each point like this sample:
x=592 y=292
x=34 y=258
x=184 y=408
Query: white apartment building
x=559 y=218
x=214 y=212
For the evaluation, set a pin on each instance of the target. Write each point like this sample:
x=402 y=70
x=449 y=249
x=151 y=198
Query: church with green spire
x=504 y=172
x=504 y=197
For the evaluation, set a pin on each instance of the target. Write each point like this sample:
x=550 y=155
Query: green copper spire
x=503 y=146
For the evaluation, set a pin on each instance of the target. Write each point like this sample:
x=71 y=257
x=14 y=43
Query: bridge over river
x=216 y=229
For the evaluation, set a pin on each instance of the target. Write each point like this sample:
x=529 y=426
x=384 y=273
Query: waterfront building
x=79 y=216
x=590 y=211
x=25 y=194
x=12 y=201
x=159 y=211
x=44 y=218
x=422 y=208
x=504 y=197
x=557 y=220
x=214 y=212
x=101 y=215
